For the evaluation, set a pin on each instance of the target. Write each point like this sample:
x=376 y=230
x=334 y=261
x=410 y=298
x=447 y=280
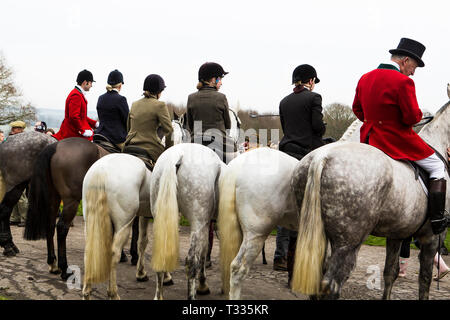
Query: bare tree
x=337 y=117
x=12 y=106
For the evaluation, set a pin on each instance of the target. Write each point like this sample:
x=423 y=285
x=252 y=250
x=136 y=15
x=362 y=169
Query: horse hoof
x=65 y=275
x=9 y=252
x=14 y=247
x=203 y=292
x=123 y=257
x=143 y=279
x=168 y=283
x=57 y=271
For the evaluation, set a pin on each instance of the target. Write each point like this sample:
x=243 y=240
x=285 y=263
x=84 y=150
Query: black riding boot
x=436 y=205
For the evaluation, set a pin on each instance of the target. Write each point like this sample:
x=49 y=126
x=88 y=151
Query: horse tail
x=38 y=214
x=2 y=187
x=311 y=240
x=166 y=219
x=99 y=231
x=230 y=232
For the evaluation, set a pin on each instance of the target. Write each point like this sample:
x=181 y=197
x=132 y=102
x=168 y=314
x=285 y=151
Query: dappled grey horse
x=184 y=180
x=347 y=191
x=17 y=156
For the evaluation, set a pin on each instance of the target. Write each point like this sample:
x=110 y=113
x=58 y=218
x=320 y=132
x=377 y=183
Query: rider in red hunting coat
x=76 y=123
x=386 y=101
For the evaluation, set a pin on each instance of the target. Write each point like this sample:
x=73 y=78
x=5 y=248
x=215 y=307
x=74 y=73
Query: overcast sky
x=258 y=42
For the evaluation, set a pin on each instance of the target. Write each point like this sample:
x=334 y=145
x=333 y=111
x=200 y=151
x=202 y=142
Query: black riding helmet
x=210 y=70
x=303 y=73
x=85 y=75
x=154 y=84
x=115 y=77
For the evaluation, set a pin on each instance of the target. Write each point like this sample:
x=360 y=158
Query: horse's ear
x=175 y=116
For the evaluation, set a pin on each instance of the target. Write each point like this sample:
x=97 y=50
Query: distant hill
x=54 y=117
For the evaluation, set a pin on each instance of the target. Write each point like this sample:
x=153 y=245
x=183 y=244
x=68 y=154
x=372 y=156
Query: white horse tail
x=230 y=232
x=99 y=234
x=311 y=240
x=2 y=187
x=166 y=219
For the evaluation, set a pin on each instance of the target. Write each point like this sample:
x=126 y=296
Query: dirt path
x=26 y=276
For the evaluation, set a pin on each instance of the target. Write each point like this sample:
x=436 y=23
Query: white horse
x=347 y=191
x=115 y=189
x=110 y=203
x=184 y=180
x=255 y=197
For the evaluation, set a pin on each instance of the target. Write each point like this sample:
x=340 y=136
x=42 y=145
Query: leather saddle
x=141 y=154
x=420 y=173
x=105 y=143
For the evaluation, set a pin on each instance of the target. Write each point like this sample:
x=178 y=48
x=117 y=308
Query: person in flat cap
x=17 y=127
x=112 y=110
x=386 y=102
x=76 y=123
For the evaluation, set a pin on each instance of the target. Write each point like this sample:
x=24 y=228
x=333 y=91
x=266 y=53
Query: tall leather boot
x=436 y=205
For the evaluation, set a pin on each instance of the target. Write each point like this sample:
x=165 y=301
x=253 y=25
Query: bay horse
x=184 y=180
x=58 y=175
x=17 y=156
x=347 y=191
x=255 y=197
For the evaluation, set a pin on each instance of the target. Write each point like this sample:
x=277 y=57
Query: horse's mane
x=442 y=109
x=350 y=130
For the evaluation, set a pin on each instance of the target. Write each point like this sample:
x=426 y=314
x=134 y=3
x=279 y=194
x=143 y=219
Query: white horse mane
x=350 y=130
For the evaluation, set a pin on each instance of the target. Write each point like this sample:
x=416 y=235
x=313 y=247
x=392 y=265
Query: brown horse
x=58 y=175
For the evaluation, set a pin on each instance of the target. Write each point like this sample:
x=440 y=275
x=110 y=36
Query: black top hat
x=410 y=48
x=115 y=77
x=85 y=75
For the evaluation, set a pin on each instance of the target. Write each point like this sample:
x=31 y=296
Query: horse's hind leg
x=250 y=249
x=87 y=289
x=6 y=206
x=159 y=286
x=134 y=242
x=203 y=288
x=341 y=263
x=141 y=275
x=391 y=267
x=195 y=260
x=120 y=238
x=51 y=257
x=70 y=207
x=428 y=249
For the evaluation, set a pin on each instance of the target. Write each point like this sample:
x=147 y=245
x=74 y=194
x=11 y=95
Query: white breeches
x=433 y=165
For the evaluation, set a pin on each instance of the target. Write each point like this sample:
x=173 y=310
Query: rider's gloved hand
x=88 y=133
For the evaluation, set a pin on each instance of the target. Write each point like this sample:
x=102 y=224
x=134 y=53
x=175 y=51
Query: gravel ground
x=26 y=276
